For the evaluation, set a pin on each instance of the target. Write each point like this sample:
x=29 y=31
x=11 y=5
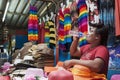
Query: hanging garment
x=67 y=28
x=106 y=10
x=93 y=11
x=41 y=33
x=61 y=32
x=117 y=17
x=33 y=24
x=47 y=33
x=82 y=20
x=52 y=34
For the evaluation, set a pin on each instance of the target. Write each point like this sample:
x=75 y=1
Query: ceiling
x=18 y=11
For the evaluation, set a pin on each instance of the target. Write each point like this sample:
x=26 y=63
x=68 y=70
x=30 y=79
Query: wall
x=20 y=36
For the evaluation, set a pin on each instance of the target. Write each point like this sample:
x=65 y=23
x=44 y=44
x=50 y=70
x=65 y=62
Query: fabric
x=41 y=33
x=84 y=73
x=107 y=16
x=82 y=20
x=33 y=24
x=52 y=42
x=50 y=69
x=61 y=33
x=4 y=77
x=97 y=52
x=117 y=17
x=93 y=11
x=78 y=72
x=47 y=33
x=67 y=28
x=33 y=72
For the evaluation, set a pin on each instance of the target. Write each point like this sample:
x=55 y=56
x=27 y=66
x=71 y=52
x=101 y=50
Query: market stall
x=36 y=38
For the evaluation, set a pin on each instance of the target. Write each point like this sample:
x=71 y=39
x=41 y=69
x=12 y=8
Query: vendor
x=94 y=55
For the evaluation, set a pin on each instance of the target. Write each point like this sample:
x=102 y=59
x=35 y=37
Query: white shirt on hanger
x=76 y=1
x=68 y=4
x=47 y=17
x=62 y=6
x=40 y=21
x=51 y=15
x=43 y=19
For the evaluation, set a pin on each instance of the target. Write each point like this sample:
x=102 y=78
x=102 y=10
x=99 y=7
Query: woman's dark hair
x=102 y=31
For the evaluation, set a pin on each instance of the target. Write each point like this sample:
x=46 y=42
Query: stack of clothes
x=31 y=57
x=36 y=55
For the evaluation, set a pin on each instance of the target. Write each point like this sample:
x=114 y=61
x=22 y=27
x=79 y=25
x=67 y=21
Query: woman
x=94 y=55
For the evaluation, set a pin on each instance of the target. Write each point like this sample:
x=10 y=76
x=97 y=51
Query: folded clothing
x=84 y=73
x=4 y=77
x=33 y=72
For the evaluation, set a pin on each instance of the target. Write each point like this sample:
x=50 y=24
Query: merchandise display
x=52 y=42
x=47 y=33
x=33 y=24
x=82 y=20
x=61 y=35
x=58 y=39
x=67 y=26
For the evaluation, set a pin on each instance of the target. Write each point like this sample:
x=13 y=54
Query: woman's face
x=91 y=36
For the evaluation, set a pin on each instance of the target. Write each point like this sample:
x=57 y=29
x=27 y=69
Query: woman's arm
x=94 y=65
x=74 y=50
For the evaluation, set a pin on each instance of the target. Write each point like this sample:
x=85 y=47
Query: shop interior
x=35 y=35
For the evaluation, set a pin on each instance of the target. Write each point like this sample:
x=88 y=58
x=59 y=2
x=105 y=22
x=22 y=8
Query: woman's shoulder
x=102 y=48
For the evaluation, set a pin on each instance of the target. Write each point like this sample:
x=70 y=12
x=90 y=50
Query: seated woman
x=94 y=56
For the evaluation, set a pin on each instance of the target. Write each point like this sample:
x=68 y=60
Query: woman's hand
x=75 y=38
x=67 y=64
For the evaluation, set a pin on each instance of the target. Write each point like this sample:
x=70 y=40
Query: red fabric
x=117 y=17
x=4 y=77
x=97 y=52
x=41 y=33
